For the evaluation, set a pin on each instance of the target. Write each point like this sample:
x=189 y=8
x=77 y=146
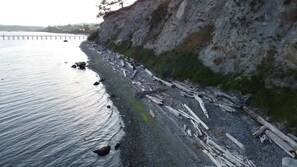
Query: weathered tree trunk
x=280 y=134
x=164 y=82
x=201 y=105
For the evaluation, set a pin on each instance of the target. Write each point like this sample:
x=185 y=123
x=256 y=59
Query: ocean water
x=50 y=113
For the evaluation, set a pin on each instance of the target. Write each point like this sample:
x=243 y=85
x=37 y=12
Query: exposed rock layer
x=244 y=34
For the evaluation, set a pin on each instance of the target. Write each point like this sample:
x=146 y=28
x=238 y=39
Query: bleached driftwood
x=130 y=65
x=260 y=131
x=142 y=94
x=264 y=137
x=237 y=161
x=226 y=108
x=292 y=136
x=122 y=63
x=134 y=74
x=212 y=158
x=232 y=99
x=173 y=111
x=154 y=99
x=280 y=134
x=125 y=74
x=182 y=113
x=181 y=87
x=201 y=105
x=199 y=133
x=152 y=114
x=182 y=93
x=189 y=132
x=149 y=72
x=240 y=145
x=164 y=82
x=283 y=145
x=196 y=117
x=138 y=86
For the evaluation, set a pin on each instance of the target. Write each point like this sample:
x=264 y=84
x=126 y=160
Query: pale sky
x=48 y=12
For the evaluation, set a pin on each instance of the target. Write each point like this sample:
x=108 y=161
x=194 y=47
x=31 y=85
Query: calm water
x=51 y=114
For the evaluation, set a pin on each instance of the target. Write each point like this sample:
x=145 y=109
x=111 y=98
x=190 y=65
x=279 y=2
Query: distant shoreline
x=69 y=29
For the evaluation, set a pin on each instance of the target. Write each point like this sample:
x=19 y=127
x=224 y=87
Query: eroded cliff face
x=229 y=36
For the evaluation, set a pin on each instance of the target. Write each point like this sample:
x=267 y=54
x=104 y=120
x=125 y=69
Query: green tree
x=106 y=6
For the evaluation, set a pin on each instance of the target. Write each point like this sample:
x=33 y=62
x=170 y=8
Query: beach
x=156 y=136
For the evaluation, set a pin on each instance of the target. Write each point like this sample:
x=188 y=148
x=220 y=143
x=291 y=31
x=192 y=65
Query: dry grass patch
x=197 y=40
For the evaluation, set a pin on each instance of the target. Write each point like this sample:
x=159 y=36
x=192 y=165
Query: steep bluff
x=228 y=36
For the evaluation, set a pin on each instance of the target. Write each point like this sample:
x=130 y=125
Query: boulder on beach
x=117 y=146
x=289 y=162
x=102 y=151
x=81 y=65
x=96 y=83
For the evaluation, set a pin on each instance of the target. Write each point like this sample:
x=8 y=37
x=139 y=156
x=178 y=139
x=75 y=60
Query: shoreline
x=161 y=141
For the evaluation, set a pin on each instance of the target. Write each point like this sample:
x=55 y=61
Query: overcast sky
x=48 y=12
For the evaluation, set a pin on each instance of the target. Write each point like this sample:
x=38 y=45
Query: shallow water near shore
x=50 y=113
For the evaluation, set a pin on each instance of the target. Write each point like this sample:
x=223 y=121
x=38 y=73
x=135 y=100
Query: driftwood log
x=155 y=99
x=201 y=105
x=164 y=82
x=181 y=87
x=142 y=94
x=280 y=134
x=134 y=74
x=282 y=144
x=196 y=117
x=240 y=145
x=149 y=72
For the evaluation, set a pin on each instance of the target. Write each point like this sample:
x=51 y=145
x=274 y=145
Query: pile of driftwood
x=152 y=88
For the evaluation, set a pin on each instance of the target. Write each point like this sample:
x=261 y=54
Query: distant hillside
x=19 y=28
x=77 y=28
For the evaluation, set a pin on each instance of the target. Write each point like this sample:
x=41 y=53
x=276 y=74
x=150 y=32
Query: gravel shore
x=165 y=139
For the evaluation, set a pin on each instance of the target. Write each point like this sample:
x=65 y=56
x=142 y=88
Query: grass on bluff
x=178 y=65
x=197 y=40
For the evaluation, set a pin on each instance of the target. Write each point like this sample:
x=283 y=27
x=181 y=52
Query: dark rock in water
x=73 y=66
x=81 y=65
x=102 y=151
x=108 y=106
x=102 y=79
x=65 y=40
x=117 y=146
x=112 y=96
x=96 y=83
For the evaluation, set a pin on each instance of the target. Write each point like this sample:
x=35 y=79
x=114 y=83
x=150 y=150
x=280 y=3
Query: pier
x=43 y=37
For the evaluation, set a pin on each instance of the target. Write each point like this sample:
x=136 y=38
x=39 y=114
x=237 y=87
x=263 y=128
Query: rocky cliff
x=228 y=36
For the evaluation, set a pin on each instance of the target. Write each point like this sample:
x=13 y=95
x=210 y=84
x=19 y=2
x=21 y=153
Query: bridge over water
x=42 y=37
